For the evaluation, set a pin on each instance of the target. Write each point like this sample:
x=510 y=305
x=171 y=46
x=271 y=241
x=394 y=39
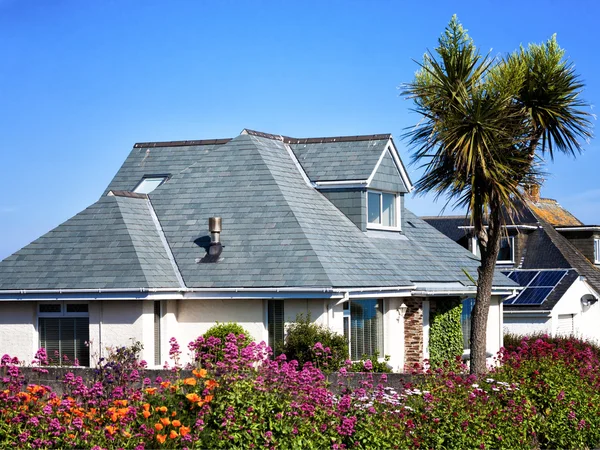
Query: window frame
x=163 y=177
x=380 y=334
x=397 y=215
x=596 y=250
x=511 y=242
x=64 y=314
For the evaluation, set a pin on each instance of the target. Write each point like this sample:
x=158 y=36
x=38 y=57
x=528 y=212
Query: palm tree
x=484 y=121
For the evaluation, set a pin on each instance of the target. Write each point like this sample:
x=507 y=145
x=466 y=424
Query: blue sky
x=82 y=81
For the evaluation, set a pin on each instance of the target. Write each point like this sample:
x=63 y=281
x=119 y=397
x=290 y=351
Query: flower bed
x=544 y=394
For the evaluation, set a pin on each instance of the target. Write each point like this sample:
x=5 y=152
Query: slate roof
x=278 y=230
x=112 y=244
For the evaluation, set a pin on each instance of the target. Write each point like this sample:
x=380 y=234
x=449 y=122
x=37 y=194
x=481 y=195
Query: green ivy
x=445 y=334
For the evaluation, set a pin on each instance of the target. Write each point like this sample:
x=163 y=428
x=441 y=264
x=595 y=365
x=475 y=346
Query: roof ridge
x=181 y=143
x=317 y=140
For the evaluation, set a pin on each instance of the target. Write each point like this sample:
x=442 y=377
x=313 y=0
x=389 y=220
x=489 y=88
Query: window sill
x=372 y=226
x=505 y=262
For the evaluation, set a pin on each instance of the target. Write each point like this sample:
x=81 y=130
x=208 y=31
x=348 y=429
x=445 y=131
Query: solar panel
x=532 y=296
x=548 y=278
x=538 y=285
x=523 y=278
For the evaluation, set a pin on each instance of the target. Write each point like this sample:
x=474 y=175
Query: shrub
x=210 y=348
x=445 y=335
x=300 y=344
x=371 y=364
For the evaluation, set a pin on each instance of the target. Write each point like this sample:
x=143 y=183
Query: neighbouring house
x=554 y=257
x=297 y=226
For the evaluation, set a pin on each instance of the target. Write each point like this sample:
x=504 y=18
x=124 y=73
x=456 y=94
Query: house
x=313 y=226
x=554 y=257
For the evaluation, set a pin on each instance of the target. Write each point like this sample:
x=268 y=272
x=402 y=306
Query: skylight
x=148 y=184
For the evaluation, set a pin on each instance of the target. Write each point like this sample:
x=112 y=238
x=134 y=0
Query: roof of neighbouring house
x=545 y=249
x=278 y=230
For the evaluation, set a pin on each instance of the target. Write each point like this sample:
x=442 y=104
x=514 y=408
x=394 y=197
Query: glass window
x=506 y=249
x=597 y=251
x=65 y=340
x=381 y=208
x=465 y=321
x=363 y=328
x=276 y=326
x=148 y=184
x=374 y=213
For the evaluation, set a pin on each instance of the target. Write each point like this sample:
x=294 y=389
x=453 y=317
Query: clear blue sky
x=82 y=81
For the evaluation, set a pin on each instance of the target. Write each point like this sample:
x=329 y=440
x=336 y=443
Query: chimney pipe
x=214 y=227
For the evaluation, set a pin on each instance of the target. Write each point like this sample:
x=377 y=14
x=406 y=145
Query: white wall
x=587 y=319
x=495 y=333
x=18 y=335
x=116 y=324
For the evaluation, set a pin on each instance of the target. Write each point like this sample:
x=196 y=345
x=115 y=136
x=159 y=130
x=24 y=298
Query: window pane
x=366 y=328
x=77 y=308
x=505 y=253
x=276 y=326
x=147 y=185
x=465 y=321
x=50 y=308
x=64 y=339
x=373 y=205
x=388 y=215
x=157 y=333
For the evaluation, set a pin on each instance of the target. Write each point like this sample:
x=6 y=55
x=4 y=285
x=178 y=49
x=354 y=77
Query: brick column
x=413 y=332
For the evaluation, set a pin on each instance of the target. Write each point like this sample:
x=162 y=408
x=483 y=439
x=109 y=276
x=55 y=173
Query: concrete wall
x=586 y=319
x=524 y=325
x=18 y=334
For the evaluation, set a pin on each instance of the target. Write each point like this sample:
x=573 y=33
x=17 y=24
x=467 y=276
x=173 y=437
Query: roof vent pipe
x=214 y=227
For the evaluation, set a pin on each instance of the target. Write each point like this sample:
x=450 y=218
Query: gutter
x=588 y=228
x=518 y=227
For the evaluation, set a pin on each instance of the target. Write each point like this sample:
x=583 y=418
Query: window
x=148 y=184
x=64 y=329
x=465 y=321
x=382 y=209
x=597 y=250
x=275 y=326
x=363 y=327
x=506 y=253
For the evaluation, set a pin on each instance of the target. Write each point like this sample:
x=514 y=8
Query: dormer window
x=149 y=183
x=382 y=210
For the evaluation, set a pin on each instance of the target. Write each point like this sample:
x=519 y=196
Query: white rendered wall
x=495 y=333
x=116 y=324
x=586 y=319
x=18 y=335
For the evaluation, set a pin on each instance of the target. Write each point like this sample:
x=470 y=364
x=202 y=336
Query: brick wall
x=413 y=332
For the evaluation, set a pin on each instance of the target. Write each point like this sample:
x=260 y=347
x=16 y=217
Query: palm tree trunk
x=479 y=317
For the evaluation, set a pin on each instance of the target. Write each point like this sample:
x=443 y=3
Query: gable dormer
x=362 y=176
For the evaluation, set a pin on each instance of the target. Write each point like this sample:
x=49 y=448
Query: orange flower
x=165 y=421
x=199 y=373
x=165 y=384
x=150 y=391
x=126 y=434
x=161 y=438
x=111 y=430
x=146 y=406
x=184 y=431
x=211 y=384
x=71 y=436
x=176 y=423
x=174 y=413
x=158 y=426
x=208 y=398
x=146 y=414
x=120 y=403
x=193 y=397
x=190 y=381
x=162 y=409
x=173 y=434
